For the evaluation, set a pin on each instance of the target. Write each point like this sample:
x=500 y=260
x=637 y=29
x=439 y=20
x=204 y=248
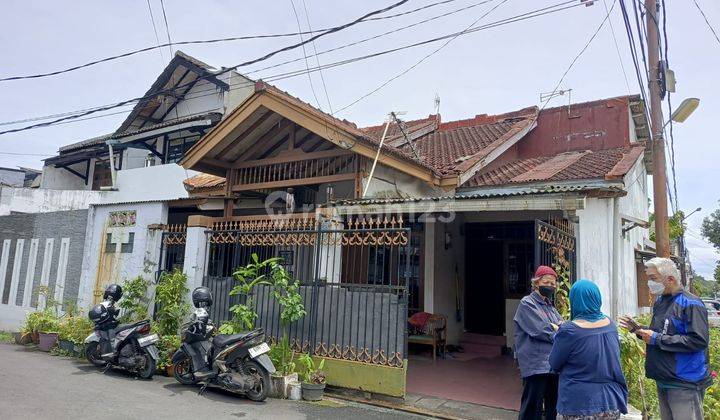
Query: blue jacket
x=677 y=353
x=534 y=334
x=591 y=379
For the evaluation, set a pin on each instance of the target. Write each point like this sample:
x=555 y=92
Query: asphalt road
x=36 y=385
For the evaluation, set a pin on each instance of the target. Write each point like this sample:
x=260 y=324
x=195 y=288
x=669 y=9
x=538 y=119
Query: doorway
x=484 y=294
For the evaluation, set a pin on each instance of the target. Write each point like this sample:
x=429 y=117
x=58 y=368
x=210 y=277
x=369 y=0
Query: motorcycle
x=235 y=362
x=127 y=346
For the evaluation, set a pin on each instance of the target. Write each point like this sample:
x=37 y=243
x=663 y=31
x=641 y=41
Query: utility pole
x=662 y=238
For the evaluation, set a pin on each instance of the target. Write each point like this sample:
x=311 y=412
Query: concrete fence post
x=195 y=251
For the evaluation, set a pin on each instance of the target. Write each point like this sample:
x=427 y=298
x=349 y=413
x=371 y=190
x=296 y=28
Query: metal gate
x=172 y=248
x=353 y=280
x=555 y=246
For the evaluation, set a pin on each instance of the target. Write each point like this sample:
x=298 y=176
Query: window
x=176 y=148
x=127 y=247
x=109 y=244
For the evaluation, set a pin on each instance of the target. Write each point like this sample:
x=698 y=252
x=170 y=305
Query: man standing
x=677 y=342
x=536 y=322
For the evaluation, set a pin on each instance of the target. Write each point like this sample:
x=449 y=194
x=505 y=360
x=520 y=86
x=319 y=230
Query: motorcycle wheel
x=183 y=371
x=92 y=354
x=148 y=370
x=262 y=387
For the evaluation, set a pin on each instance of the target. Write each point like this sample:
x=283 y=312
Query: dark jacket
x=677 y=353
x=534 y=334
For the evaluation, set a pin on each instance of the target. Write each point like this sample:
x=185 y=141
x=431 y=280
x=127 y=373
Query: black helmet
x=202 y=297
x=99 y=314
x=113 y=291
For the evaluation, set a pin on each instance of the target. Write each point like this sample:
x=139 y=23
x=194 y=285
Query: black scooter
x=127 y=346
x=236 y=362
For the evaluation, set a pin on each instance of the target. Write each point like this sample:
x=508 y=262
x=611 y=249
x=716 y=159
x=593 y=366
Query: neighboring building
x=20 y=177
x=453 y=220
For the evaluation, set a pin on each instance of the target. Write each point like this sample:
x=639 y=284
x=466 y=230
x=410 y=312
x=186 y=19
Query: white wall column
x=195 y=252
x=429 y=270
x=15 y=279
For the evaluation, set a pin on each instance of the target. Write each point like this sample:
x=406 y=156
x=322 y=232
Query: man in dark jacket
x=677 y=342
x=536 y=322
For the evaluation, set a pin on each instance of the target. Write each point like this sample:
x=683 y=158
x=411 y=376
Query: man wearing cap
x=536 y=322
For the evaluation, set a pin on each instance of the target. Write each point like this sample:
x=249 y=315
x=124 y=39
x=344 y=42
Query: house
x=445 y=217
x=18 y=177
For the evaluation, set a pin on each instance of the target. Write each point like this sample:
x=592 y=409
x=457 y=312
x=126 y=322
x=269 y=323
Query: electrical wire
x=514 y=19
x=24 y=154
x=317 y=59
x=157 y=38
x=167 y=28
x=226 y=70
x=707 y=22
x=205 y=41
x=636 y=63
x=617 y=49
x=307 y=64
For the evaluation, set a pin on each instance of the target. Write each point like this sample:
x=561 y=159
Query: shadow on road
x=211 y=393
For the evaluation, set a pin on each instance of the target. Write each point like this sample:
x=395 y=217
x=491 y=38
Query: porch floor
x=489 y=381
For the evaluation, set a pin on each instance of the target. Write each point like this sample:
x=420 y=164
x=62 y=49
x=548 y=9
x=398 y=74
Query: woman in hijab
x=586 y=354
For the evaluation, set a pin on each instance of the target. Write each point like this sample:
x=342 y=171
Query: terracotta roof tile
x=204 y=182
x=600 y=165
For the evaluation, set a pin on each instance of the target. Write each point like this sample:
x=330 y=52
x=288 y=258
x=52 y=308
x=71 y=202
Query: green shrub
x=310 y=373
x=283 y=357
x=75 y=328
x=167 y=346
x=171 y=298
x=135 y=300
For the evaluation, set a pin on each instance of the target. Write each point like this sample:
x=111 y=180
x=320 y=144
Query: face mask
x=655 y=287
x=547 y=291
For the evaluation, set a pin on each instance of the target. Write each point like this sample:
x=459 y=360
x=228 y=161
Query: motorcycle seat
x=123 y=327
x=224 y=340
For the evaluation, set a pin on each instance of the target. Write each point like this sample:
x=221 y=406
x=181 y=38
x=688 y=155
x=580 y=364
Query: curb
x=394 y=406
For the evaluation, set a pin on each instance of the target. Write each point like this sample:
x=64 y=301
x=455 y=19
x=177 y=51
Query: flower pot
x=47 y=341
x=312 y=392
x=66 y=345
x=169 y=370
x=35 y=337
x=294 y=391
x=281 y=385
x=21 y=338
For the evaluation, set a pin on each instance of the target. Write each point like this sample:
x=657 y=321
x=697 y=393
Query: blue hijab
x=585 y=301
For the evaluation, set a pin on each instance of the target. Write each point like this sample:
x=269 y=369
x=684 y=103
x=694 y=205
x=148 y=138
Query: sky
x=491 y=71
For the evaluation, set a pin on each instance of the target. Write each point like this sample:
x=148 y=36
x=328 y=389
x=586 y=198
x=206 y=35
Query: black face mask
x=547 y=291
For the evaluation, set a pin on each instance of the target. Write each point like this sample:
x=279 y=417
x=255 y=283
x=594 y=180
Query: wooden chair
x=434 y=334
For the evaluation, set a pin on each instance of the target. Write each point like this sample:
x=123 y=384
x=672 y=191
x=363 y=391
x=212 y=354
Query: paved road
x=35 y=385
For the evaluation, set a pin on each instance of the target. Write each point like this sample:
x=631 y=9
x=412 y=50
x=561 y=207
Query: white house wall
x=100 y=267
x=62 y=179
x=162 y=182
x=391 y=183
x=39 y=200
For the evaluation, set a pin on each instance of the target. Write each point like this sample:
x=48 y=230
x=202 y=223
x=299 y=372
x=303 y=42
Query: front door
x=484 y=294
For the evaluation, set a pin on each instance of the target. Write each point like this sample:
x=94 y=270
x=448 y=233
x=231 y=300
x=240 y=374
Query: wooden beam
x=217 y=162
x=296 y=155
x=295 y=182
x=291 y=137
x=270 y=137
x=253 y=127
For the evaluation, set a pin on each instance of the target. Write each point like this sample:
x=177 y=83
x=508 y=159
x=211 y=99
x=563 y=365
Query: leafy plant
x=562 y=297
x=6 y=337
x=75 y=328
x=32 y=321
x=167 y=345
x=135 y=300
x=171 y=298
x=270 y=273
x=283 y=357
x=310 y=373
x=47 y=322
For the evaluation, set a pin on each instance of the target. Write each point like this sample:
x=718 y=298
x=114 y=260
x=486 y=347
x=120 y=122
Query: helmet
x=113 y=291
x=202 y=297
x=99 y=314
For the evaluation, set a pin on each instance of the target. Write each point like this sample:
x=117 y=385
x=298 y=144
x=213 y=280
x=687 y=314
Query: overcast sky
x=491 y=71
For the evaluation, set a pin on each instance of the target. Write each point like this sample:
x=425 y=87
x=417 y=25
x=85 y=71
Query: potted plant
x=72 y=333
x=30 y=329
x=282 y=356
x=313 y=378
x=64 y=332
x=167 y=346
x=47 y=327
x=171 y=302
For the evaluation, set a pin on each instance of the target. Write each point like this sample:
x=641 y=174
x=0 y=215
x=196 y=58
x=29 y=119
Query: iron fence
x=172 y=248
x=353 y=281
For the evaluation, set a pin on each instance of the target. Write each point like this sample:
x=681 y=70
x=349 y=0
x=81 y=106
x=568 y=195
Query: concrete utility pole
x=662 y=238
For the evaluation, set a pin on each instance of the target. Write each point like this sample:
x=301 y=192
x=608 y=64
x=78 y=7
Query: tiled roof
x=204 y=182
x=394 y=130
x=608 y=164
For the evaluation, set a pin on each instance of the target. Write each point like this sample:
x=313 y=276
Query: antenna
x=401 y=126
x=437 y=104
x=546 y=96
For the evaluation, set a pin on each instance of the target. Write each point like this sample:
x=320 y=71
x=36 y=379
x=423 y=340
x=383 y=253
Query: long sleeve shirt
x=534 y=334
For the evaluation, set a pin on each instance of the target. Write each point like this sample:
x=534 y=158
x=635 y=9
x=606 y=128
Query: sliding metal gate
x=353 y=280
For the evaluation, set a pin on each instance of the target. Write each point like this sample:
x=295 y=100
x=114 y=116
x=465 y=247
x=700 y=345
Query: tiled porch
x=488 y=381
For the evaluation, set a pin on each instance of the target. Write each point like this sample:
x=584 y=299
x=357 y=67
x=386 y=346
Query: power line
x=425 y=57
x=167 y=28
x=206 y=41
x=707 y=22
x=157 y=38
x=24 y=154
x=307 y=64
x=317 y=59
x=514 y=19
x=635 y=60
x=226 y=70
x=617 y=49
